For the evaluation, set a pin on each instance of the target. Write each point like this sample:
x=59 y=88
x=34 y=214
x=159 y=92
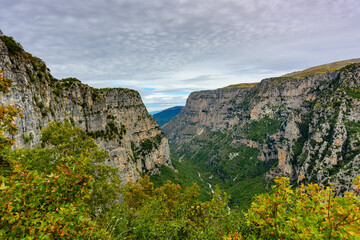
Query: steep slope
x=116 y=118
x=166 y=115
x=305 y=128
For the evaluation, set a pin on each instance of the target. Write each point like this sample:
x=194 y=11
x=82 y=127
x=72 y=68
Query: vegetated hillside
x=60 y=190
x=322 y=69
x=241 y=138
x=115 y=117
x=166 y=115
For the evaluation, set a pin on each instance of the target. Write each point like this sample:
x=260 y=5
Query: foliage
x=69 y=82
x=8 y=115
x=12 y=46
x=258 y=130
x=353 y=92
x=57 y=189
x=169 y=212
x=111 y=132
x=146 y=146
x=27 y=137
x=186 y=176
x=308 y=212
x=38 y=205
x=352 y=127
x=233 y=166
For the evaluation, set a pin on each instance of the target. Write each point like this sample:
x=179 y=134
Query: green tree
x=58 y=190
x=169 y=212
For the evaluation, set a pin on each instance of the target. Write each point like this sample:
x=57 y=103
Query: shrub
x=169 y=212
x=7 y=116
x=58 y=189
x=12 y=46
x=27 y=137
x=308 y=212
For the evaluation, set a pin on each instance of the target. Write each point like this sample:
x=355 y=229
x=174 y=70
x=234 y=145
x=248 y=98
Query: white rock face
x=319 y=136
x=116 y=118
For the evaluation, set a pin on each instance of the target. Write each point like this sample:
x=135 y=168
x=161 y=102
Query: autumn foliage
x=307 y=212
x=8 y=114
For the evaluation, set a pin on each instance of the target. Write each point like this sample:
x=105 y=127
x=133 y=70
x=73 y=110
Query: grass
x=324 y=68
x=242 y=85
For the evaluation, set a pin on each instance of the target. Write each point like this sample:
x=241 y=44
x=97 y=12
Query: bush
x=169 y=212
x=12 y=46
x=308 y=212
x=7 y=116
x=58 y=189
x=27 y=137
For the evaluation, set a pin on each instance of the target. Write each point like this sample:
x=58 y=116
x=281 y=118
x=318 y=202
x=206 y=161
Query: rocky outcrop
x=116 y=118
x=310 y=125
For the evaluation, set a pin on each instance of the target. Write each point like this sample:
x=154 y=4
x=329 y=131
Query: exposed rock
x=311 y=124
x=116 y=118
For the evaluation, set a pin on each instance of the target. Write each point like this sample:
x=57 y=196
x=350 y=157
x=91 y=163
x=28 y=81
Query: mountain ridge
x=115 y=117
x=302 y=128
x=166 y=115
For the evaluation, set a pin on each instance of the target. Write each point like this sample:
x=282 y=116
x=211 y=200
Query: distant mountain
x=152 y=113
x=166 y=115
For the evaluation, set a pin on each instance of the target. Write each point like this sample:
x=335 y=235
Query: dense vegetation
x=213 y=158
x=61 y=190
x=11 y=44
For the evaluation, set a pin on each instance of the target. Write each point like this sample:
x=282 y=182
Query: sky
x=167 y=49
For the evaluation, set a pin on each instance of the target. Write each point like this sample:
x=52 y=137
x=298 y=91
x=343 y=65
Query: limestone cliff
x=306 y=128
x=116 y=118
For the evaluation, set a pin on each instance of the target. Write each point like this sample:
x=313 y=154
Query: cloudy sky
x=166 y=49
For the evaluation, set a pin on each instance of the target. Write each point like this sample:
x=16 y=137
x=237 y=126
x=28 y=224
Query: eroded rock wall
x=310 y=125
x=116 y=118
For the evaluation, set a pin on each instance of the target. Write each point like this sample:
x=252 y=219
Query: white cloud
x=181 y=44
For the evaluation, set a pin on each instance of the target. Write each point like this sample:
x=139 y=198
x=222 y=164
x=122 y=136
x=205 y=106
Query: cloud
x=182 y=44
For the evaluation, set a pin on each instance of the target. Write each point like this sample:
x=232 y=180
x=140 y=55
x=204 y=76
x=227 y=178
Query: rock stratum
x=306 y=128
x=116 y=118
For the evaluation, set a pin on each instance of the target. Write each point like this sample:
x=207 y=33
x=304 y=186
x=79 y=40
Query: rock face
x=308 y=125
x=116 y=118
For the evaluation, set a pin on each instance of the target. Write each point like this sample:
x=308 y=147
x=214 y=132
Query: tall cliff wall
x=308 y=128
x=116 y=118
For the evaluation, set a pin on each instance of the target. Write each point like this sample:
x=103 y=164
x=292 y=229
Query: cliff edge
x=116 y=118
x=306 y=128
